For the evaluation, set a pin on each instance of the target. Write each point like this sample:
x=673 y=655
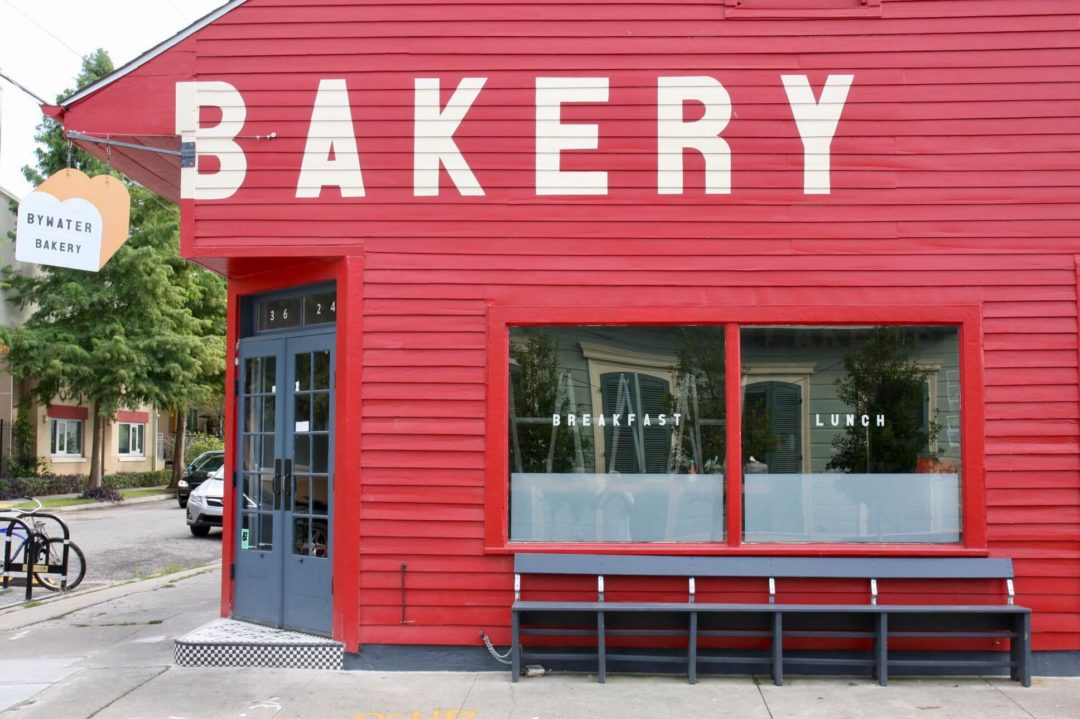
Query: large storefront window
x=851 y=434
x=617 y=434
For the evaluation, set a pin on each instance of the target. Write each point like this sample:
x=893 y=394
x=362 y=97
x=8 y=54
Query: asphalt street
x=140 y=540
x=125 y=542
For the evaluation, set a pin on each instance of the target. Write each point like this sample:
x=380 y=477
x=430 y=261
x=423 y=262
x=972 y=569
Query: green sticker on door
x=244 y=538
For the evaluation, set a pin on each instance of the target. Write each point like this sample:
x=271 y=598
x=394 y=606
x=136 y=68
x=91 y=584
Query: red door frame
x=973 y=497
x=348 y=274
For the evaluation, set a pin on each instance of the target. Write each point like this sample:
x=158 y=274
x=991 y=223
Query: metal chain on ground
x=501 y=658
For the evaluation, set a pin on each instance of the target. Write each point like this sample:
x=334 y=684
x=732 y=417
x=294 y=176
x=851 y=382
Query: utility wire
x=43 y=28
x=21 y=87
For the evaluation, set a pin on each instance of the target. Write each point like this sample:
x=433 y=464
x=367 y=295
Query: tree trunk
x=178 y=448
x=96 y=449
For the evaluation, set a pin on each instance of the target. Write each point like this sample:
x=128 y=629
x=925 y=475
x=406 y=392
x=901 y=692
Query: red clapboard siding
x=953 y=174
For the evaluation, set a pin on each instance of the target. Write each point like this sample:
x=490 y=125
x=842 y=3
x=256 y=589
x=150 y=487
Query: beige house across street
x=137 y=441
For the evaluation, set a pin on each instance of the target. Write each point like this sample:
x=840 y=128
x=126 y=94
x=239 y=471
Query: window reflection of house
x=625 y=381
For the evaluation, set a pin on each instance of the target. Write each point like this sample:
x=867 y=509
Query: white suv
x=204 y=507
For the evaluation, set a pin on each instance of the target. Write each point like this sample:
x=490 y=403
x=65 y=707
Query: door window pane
x=252 y=421
x=266 y=531
x=302 y=453
x=301 y=493
x=303 y=372
x=320 y=453
x=266 y=494
x=251 y=492
x=269 y=413
x=267 y=452
x=320 y=420
x=617 y=434
x=301 y=536
x=251 y=461
x=320 y=495
x=302 y=412
x=269 y=368
x=851 y=434
x=251 y=375
x=322 y=370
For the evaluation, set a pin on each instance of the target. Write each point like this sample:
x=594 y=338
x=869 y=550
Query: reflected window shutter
x=624 y=454
x=786 y=420
x=656 y=440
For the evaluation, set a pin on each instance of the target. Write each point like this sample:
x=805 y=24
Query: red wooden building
x=466 y=243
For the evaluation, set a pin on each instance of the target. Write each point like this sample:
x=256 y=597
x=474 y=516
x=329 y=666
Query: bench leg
x=515 y=646
x=881 y=648
x=778 y=649
x=692 y=649
x=1020 y=651
x=601 y=648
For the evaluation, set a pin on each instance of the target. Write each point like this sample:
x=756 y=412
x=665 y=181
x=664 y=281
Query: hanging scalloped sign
x=74 y=221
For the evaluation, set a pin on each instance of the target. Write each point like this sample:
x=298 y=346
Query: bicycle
x=49 y=551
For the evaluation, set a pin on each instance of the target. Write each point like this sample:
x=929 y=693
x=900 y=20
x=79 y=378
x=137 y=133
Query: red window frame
x=973 y=498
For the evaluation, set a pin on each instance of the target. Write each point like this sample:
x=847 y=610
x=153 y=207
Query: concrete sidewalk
x=113 y=659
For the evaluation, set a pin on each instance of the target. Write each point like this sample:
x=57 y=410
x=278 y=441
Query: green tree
x=148 y=328
x=883 y=379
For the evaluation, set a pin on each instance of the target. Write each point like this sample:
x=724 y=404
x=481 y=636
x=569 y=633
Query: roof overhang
x=135 y=105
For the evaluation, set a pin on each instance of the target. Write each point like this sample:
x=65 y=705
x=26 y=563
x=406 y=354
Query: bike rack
x=10 y=568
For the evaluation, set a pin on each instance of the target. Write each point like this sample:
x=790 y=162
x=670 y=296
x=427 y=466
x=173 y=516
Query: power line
x=43 y=28
x=20 y=86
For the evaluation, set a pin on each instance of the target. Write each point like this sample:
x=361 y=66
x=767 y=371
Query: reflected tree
x=883 y=379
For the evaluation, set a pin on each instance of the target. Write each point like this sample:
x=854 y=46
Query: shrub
x=49 y=484
x=43 y=485
x=198 y=443
x=102 y=494
x=126 y=480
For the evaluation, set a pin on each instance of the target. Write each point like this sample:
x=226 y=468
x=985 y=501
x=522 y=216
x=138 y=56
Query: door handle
x=277 y=484
x=288 y=484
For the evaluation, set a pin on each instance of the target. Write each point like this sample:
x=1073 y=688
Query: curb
x=19 y=616
x=109 y=505
x=113 y=505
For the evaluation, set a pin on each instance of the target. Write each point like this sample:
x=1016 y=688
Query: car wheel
x=199 y=530
x=182 y=503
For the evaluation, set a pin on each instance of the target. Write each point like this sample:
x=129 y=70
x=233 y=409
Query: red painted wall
x=954 y=174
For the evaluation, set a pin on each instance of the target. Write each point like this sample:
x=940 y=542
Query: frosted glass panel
x=617 y=508
x=837 y=507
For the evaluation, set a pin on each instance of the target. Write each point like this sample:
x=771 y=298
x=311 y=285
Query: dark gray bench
x=599 y=620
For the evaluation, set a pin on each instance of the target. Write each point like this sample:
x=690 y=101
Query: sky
x=41 y=47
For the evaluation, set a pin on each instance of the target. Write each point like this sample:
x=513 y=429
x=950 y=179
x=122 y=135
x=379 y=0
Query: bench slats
x=764 y=567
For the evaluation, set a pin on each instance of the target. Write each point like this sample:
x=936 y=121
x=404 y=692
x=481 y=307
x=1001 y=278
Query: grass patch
x=61 y=502
x=168 y=569
x=48 y=502
x=32 y=604
x=146 y=492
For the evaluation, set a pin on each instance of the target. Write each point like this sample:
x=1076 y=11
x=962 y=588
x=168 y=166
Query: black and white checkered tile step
x=229 y=643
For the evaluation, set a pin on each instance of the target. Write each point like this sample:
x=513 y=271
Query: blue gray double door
x=284 y=482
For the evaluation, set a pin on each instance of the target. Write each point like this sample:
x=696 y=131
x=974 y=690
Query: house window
x=130 y=439
x=617 y=434
x=867 y=449
x=65 y=437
